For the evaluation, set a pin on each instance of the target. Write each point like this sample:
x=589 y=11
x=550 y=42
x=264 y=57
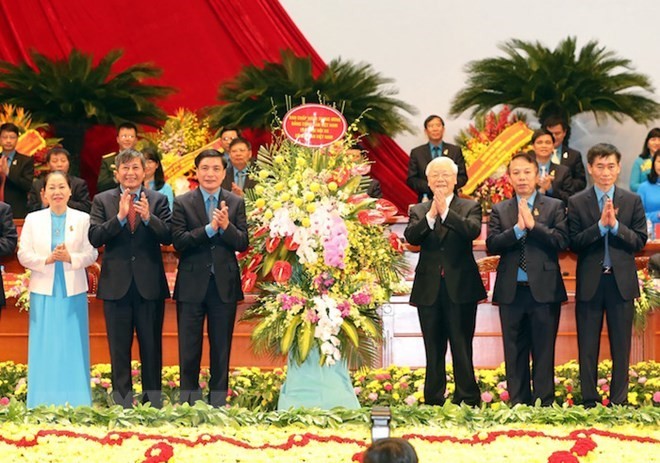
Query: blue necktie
x=210 y=206
x=607 y=261
x=435 y=152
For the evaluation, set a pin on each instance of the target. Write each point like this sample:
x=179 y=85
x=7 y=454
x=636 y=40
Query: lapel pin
x=445 y=152
x=70 y=227
x=536 y=212
x=565 y=155
x=14 y=163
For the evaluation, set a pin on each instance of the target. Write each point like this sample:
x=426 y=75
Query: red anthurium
x=248 y=281
x=356 y=199
x=371 y=217
x=281 y=271
x=254 y=262
x=290 y=244
x=272 y=243
x=387 y=208
x=340 y=177
x=396 y=242
x=243 y=255
x=260 y=232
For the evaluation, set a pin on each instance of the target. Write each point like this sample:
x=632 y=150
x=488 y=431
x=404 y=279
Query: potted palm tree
x=72 y=93
x=250 y=99
x=562 y=82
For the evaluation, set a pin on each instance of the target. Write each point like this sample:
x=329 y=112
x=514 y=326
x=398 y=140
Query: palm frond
x=248 y=100
x=74 y=90
x=564 y=81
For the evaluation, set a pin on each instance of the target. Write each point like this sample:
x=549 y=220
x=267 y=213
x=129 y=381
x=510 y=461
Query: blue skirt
x=58 y=348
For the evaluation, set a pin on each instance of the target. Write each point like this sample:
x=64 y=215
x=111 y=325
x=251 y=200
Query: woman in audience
x=642 y=165
x=154 y=177
x=55 y=247
x=649 y=191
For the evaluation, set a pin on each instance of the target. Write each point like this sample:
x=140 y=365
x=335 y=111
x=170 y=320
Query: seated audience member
x=649 y=191
x=8 y=241
x=554 y=180
x=390 y=450
x=565 y=155
x=642 y=165
x=16 y=171
x=373 y=190
x=434 y=128
x=236 y=177
x=58 y=161
x=228 y=135
x=154 y=177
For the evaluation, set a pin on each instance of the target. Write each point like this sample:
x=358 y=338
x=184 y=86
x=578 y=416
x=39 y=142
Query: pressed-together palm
x=562 y=82
x=250 y=99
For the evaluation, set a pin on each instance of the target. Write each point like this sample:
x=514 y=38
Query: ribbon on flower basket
x=186 y=162
x=498 y=152
x=30 y=142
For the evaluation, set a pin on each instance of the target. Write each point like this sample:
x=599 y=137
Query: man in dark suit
x=434 y=127
x=132 y=222
x=58 y=160
x=447 y=283
x=208 y=228
x=607 y=226
x=16 y=171
x=565 y=155
x=8 y=241
x=554 y=180
x=528 y=231
x=236 y=178
x=126 y=139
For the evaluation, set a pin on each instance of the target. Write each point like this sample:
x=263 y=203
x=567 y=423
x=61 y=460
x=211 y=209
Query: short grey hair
x=442 y=161
x=128 y=155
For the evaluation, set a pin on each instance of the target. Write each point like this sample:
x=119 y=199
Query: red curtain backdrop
x=198 y=44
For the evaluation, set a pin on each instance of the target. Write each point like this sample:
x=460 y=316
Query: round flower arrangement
x=320 y=247
x=182 y=133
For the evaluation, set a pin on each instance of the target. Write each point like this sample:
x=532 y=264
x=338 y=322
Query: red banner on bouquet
x=314 y=125
x=498 y=152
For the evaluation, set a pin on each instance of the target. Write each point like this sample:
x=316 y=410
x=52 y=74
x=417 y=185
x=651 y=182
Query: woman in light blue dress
x=154 y=177
x=55 y=247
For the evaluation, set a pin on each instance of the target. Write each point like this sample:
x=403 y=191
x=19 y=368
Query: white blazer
x=34 y=248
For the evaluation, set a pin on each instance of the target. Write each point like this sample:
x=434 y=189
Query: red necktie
x=132 y=216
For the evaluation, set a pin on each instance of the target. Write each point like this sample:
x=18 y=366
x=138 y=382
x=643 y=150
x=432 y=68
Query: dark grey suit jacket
x=587 y=242
x=229 y=179
x=448 y=248
x=573 y=160
x=131 y=256
x=419 y=159
x=197 y=252
x=18 y=184
x=548 y=236
x=8 y=240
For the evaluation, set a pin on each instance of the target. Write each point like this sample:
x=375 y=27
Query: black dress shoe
x=589 y=404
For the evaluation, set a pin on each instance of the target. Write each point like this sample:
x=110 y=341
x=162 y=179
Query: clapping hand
x=142 y=207
x=220 y=217
x=124 y=204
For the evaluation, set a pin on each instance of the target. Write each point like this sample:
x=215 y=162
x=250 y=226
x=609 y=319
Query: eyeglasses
x=127 y=137
x=228 y=138
x=443 y=175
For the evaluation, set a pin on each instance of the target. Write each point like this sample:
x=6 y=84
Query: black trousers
x=220 y=328
x=529 y=328
x=589 y=318
x=123 y=317
x=441 y=322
